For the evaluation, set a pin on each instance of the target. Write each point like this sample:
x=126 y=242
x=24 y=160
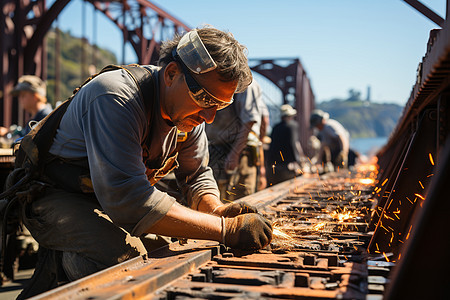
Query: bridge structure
x=348 y=239
x=25 y=23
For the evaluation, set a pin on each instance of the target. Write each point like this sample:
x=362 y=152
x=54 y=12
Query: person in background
x=98 y=201
x=31 y=92
x=334 y=141
x=285 y=153
x=235 y=144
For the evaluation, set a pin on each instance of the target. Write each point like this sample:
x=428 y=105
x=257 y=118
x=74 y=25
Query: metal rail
x=319 y=252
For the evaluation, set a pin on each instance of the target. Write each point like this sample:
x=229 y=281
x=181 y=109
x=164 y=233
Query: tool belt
x=71 y=175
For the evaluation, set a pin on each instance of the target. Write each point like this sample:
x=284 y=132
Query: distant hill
x=363 y=119
x=71 y=72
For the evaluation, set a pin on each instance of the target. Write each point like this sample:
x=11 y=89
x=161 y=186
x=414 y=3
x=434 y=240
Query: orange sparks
x=392 y=237
x=409 y=200
x=421 y=185
x=281 y=154
x=431 y=158
x=420 y=196
x=390 y=203
x=384 y=182
x=387 y=217
x=407 y=236
x=387 y=259
x=384 y=228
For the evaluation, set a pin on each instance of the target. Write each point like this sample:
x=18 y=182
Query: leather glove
x=234 y=209
x=247 y=232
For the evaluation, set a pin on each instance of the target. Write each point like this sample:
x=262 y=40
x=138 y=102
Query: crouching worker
x=94 y=196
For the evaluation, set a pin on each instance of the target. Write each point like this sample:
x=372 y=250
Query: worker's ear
x=170 y=73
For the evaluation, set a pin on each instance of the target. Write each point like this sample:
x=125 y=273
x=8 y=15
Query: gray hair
x=229 y=55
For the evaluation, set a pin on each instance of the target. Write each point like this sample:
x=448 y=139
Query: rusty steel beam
x=314 y=262
x=137 y=277
x=134 y=17
x=427 y=12
x=416 y=276
x=408 y=191
x=25 y=54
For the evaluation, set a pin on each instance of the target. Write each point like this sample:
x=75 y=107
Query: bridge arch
x=24 y=24
x=289 y=75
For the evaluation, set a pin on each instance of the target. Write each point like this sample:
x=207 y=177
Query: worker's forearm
x=184 y=222
x=208 y=203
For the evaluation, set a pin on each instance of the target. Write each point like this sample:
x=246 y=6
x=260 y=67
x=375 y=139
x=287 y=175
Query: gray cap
x=30 y=83
x=316 y=117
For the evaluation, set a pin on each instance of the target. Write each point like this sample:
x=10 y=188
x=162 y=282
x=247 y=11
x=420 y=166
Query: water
x=368 y=146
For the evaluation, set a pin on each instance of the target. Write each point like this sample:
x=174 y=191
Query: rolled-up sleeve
x=113 y=129
x=194 y=176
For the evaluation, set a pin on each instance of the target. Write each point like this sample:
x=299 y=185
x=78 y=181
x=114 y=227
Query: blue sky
x=342 y=44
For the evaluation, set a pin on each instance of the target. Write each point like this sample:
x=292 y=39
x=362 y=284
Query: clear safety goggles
x=193 y=57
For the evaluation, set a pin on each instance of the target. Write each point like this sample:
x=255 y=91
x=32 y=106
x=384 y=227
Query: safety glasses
x=193 y=56
x=200 y=95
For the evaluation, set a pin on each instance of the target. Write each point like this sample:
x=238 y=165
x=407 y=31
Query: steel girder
x=24 y=24
x=290 y=77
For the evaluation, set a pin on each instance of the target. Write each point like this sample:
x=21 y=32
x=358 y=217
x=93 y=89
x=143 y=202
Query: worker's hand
x=262 y=182
x=234 y=209
x=247 y=232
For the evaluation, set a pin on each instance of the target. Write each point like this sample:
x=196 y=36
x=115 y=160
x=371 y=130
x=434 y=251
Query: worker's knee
x=76 y=266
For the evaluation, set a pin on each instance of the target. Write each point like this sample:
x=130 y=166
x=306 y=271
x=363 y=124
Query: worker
x=285 y=153
x=31 y=93
x=116 y=140
x=235 y=144
x=334 y=141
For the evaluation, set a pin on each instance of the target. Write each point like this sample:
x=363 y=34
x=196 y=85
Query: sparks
x=421 y=185
x=407 y=236
x=420 y=196
x=431 y=159
x=390 y=204
x=384 y=182
x=366 y=181
x=281 y=154
x=387 y=259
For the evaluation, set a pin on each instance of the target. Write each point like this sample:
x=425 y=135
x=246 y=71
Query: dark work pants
x=78 y=234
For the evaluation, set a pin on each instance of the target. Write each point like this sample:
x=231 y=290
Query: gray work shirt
x=335 y=136
x=230 y=121
x=107 y=123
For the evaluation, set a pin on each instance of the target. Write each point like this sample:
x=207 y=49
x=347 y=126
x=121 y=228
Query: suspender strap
x=37 y=143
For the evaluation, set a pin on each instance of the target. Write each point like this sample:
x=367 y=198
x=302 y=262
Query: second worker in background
x=235 y=147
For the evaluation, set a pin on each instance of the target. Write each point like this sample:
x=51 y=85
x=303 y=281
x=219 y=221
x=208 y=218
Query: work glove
x=234 y=209
x=247 y=232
